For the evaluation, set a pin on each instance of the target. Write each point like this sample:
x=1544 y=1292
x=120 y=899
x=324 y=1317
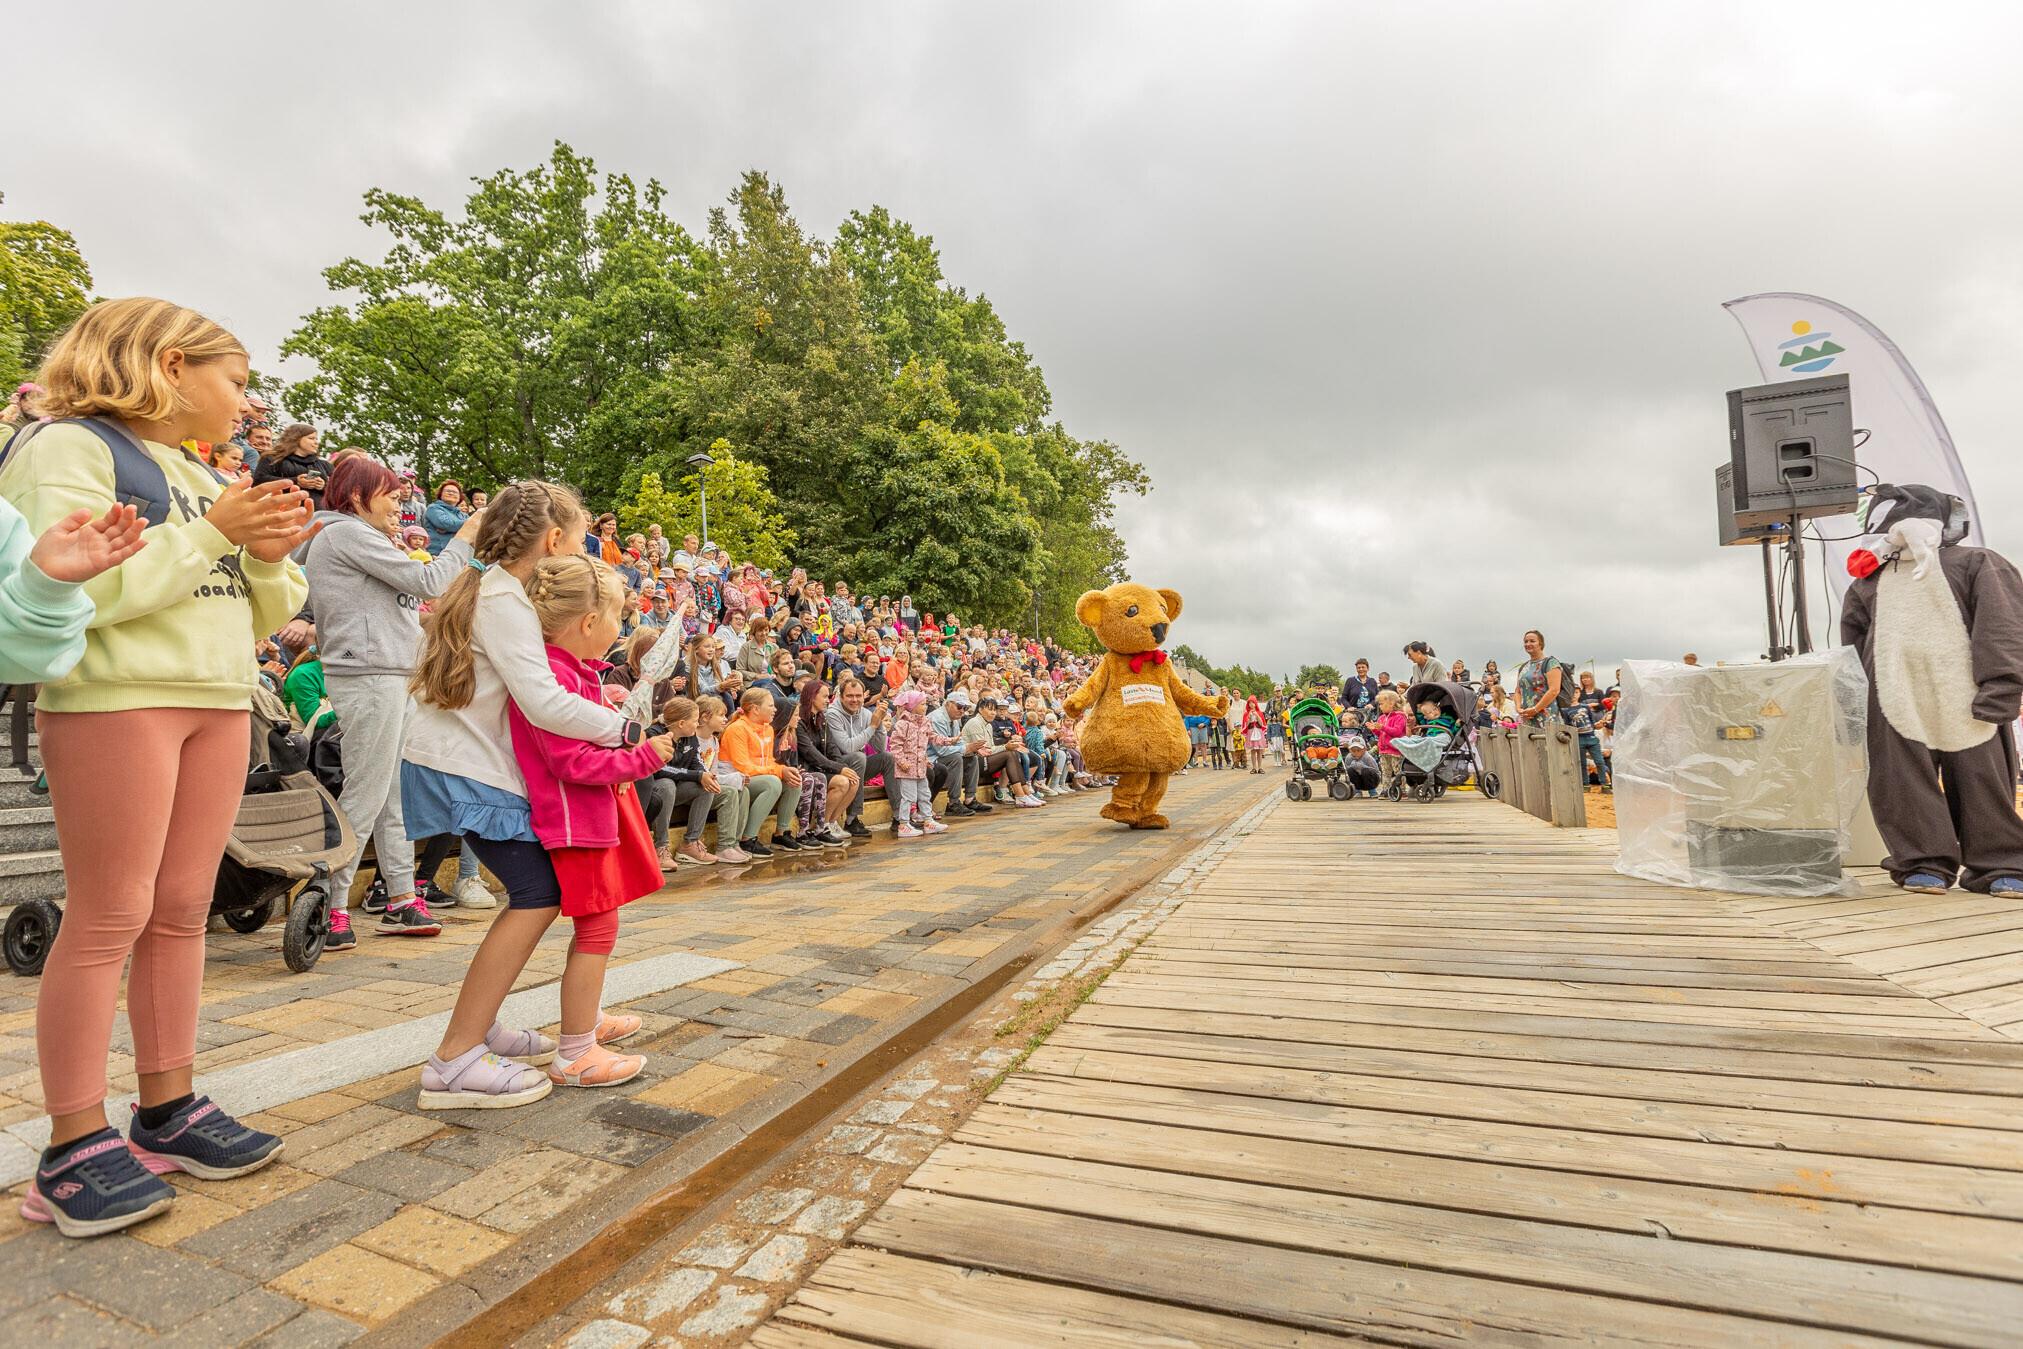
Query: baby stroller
x=288 y=830
x=1315 y=738
x=1429 y=772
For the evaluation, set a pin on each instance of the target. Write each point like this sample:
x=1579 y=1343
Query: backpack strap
x=137 y=480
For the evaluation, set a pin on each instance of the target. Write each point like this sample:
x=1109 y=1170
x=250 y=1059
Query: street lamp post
x=700 y=462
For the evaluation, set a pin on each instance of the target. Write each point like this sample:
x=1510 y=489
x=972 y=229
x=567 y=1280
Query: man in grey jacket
x=858 y=734
x=952 y=766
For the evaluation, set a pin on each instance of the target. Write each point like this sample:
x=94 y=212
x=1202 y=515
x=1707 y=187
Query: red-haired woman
x=366 y=593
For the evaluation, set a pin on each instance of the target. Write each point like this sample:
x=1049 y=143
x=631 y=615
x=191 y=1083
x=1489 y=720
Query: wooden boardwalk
x=1425 y=1073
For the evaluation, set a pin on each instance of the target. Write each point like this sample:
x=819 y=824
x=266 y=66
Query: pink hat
x=908 y=698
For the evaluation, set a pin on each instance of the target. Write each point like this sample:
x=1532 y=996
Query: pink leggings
x=596 y=933
x=144 y=803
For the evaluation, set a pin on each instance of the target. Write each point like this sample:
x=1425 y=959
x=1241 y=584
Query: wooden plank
x=897 y=1300
x=1847 y=1070
x=1867 y=985
x=1812 y=963
x=1868 y=1233
x=1658 y=1032
x=1763 y=1284
x=1974 y=1191
x=1951 y=1145
x=1402 y=1304
x=1639 y=1083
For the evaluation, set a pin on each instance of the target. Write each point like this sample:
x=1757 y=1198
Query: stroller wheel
x=1491 y=785
x=249 y=920
x=1339 y=789
x=1292 y=789
x=1424 y=791
x=308 y=924
x=30 y=932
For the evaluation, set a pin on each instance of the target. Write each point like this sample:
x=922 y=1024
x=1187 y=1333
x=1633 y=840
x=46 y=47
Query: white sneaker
x=933 y=827
x=835 y=833
x=908 y=831
x=1031 y=802
x=472 y=894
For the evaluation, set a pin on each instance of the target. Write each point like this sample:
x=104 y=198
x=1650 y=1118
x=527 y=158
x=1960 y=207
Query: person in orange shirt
x=747 y=745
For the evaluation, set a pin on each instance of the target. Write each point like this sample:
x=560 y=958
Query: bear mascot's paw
x=1134 y=701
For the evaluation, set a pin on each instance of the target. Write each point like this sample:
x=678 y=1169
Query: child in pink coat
x=1389 y=724
x=907 y=742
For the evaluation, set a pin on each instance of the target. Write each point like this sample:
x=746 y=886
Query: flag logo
x=1808 y=352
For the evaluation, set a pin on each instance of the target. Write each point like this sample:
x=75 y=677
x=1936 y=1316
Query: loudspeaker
x=1733 y=533
x=1791 y=451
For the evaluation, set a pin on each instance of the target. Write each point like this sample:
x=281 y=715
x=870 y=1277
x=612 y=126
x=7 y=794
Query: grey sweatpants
x=1969 y=829
x=373 y=710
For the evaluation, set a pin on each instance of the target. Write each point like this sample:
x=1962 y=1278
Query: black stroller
x=1455 y=765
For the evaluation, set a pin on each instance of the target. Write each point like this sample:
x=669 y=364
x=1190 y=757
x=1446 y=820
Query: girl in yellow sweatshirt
x=158 y=705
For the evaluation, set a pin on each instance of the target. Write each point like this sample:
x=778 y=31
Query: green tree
x=1318 y=676
x=44 y=286
x=1239 y=678
x=744 y=516
x=520 y=339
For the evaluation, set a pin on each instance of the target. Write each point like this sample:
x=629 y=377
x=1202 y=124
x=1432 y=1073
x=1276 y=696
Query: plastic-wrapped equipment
x=1741 y=777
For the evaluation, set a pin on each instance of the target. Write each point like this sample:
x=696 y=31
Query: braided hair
x=564 y=589
x=515 y=526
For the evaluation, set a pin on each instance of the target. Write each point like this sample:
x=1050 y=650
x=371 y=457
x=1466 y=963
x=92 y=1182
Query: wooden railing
x=1538 y=770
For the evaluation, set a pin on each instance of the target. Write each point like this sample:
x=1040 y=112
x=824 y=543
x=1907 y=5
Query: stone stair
x=30 y=866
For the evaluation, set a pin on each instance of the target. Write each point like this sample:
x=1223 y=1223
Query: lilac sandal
x=527 y=1046
x=479 y=1079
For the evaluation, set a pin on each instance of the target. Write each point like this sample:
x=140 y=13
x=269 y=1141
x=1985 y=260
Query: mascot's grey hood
x=1887 y=504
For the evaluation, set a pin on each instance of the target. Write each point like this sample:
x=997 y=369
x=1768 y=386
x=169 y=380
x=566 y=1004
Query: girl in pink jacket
x=585 y=811
x=908 y=742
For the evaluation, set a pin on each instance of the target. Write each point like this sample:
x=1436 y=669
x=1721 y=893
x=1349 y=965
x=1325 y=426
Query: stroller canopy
x=1314 y=716
x=1457 y=699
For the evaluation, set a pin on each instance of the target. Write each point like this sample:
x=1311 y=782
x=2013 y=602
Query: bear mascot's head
x=1129 y=618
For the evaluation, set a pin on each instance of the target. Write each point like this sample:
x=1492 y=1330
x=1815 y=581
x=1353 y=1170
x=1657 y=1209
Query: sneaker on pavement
x=435 y=897
x=665 y=857
x=980 y=806
x=473 y=894
x=693 y=854
x=1004 y=796
x=478 y=1079
x=754 y=849
x=375 y=897
x=956 y=810
x=856 y=829
x=340 y=937
x=409 y=920
x=836 y=833
x=822 y=838
x=732 y=855
x=98 y=1186
x=784 y=843
x=933 y=826
x=908 y=831
x=202 y=1140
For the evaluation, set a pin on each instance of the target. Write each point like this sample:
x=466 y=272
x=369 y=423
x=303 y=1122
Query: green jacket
x=304 y=687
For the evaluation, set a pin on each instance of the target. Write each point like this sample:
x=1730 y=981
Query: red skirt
x=597 y=880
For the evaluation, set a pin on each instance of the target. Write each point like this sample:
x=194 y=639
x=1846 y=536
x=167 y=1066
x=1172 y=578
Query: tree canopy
x=44 y=286
x=563 y=325
x=1240 y=678
x=1318 y=676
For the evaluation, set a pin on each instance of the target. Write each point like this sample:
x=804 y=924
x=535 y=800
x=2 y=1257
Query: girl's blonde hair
x=516 y=523
x=1387 y=699
x=109 y=362
x=564 y=589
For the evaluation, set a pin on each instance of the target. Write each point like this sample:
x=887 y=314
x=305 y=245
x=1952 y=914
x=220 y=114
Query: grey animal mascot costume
x=1940 y=632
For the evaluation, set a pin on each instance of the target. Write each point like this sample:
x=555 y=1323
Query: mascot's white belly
x=1924 y=664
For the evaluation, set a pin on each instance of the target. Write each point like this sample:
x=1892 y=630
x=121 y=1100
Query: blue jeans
x=1591 y=752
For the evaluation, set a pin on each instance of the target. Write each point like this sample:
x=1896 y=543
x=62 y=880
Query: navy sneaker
x=340 y=937
x=783 y=842
x=2005 y=885
x=99 y=1187
x=202 y=1140
x=409 y=920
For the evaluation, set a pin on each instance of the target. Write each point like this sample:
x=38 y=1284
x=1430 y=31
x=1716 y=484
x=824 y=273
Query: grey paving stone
x=649 y=1118
x=294 y=1228
x=153 y=1288
x=246 y=1317
x=842 y=1030
x=62 y=1323
x=408 y=1176
x=313 y=1329
x=477 y=1148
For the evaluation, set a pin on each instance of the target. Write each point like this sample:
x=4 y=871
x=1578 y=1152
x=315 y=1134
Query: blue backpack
x=137 y=480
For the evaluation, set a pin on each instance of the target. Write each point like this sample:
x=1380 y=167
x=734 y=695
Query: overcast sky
x=1413 y=312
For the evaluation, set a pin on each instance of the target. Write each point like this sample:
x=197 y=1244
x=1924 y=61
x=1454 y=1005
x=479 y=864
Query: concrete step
x=27 y=829
x=17 y=791
x=31 y=875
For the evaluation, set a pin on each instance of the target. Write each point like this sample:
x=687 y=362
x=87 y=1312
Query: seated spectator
x=683 y=781
x=625 y=674
x=821 y=754
x=955 y=764
x=445 y=515
x=1000 y=763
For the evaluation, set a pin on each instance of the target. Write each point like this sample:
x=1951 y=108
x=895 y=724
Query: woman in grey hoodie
x=366 y=594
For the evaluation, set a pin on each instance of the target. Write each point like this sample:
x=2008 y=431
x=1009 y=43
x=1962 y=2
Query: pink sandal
x=598 y=1067
x=615 y=1026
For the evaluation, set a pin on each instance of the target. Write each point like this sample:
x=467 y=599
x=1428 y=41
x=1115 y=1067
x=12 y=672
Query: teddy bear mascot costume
x=1135 y=701
x=1940 y=631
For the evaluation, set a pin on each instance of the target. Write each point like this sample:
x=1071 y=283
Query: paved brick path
x=378 y=1209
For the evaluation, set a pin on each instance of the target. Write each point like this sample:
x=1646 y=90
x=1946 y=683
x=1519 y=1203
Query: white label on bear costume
x=1135 y=694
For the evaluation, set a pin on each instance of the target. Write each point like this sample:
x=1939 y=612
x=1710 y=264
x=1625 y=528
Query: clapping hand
x=81 y=545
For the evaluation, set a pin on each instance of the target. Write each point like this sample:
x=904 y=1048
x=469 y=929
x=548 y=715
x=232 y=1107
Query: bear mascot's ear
x=1171 y=599
x=1089 y=608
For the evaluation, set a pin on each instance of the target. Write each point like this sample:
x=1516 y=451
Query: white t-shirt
x=509 y=659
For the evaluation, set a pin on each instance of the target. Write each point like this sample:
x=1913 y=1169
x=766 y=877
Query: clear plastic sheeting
x=1741 y=777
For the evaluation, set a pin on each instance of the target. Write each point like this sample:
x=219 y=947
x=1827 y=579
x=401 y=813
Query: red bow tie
x=1144 y=658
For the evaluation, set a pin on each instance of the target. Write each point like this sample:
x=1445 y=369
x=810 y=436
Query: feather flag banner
x=1798 y=336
